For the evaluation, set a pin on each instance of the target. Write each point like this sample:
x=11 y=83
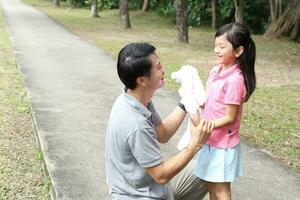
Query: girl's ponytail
x=247 y=62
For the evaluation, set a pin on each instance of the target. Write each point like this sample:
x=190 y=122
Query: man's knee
x=187 y=186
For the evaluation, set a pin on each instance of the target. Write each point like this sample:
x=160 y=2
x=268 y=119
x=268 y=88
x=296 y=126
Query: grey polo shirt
x=131 y=146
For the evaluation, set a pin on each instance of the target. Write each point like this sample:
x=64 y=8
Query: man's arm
x=163 y=172
x=167 y=128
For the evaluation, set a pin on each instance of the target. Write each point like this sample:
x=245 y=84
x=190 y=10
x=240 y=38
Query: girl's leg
x=210 y=188
x=219 y=191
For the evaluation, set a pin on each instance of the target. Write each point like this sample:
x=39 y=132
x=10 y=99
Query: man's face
x=157 y=77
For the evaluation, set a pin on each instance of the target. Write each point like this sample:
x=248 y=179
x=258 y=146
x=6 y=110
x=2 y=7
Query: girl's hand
x=195 y=118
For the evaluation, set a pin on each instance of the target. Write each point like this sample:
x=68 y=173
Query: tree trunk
x=124 y=14
x=145 y=6
x=239 y=10
x=181 y=21
x=279 y=7
x=215 y=14
x=56 y=3
x=288 y=23
x=275 y=9
x=94 y=8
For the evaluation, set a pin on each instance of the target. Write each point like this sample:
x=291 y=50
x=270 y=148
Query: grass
x=21 y=173
x=271 y=122
x=271 y=119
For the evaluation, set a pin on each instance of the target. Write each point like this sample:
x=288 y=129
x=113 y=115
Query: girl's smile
x=224 y=51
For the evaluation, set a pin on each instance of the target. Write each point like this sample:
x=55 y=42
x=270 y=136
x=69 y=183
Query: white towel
x=193 y=95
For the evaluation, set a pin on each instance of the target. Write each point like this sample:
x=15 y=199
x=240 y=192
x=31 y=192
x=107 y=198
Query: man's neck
x=141 y=95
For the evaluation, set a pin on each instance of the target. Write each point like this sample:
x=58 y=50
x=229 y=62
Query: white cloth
x=193 y=95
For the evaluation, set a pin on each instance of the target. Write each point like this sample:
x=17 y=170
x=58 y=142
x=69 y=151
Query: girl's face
x=224 y=51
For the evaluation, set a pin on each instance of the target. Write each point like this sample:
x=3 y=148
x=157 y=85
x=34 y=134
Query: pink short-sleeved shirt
x=224 y=88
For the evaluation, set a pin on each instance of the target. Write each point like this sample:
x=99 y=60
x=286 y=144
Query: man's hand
x=200 y=134
x=166 y=170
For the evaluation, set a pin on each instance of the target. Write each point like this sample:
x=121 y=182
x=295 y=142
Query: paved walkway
x=71 y=85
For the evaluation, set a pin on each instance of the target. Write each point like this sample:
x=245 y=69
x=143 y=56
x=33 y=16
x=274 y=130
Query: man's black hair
x=133 y=62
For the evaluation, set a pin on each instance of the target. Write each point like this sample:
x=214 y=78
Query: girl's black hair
x=239 y=35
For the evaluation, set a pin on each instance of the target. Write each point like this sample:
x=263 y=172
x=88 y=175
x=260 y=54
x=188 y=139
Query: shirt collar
x=136 y=104
x=227 y=72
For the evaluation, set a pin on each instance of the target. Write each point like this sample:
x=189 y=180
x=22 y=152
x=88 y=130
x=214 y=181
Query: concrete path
x=71 y=85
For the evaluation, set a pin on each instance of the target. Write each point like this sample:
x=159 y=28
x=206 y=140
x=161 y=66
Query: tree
x=239 y=10
x=94 y=8
x=288 y=24
x=182 y=21
x=56 y=3
x=215 y=22
x=275 y=9
x=124 y=14
x=145 y=6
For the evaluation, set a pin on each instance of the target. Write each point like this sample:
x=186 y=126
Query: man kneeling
x=135 y=167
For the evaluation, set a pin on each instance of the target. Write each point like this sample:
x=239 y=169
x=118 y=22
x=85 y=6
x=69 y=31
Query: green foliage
x=114 y=4
x=108 y=4
x=153 y=3
x=135 y=5
x=165 y=8
x=226 y=11
x=199 y=12
x=78 y=3
x=256 y=15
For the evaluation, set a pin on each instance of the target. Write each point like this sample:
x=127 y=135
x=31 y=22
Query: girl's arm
x=230 y=116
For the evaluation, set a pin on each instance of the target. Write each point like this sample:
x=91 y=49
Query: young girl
x=229 y=85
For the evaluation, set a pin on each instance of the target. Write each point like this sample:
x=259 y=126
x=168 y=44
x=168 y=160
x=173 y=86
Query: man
x=134 y=165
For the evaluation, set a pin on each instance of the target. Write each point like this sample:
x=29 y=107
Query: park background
x=271 y=117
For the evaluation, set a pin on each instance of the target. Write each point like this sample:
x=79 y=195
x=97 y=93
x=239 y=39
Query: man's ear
x=141 y=81
x=239 y=51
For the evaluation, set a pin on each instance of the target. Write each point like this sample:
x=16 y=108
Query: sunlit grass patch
x=271 y=121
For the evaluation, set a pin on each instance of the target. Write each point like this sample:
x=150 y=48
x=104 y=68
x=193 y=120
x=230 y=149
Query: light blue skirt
x=219 y=165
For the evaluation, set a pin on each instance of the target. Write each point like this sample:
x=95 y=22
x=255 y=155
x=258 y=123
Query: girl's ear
x=239 y=51
x=141 y=81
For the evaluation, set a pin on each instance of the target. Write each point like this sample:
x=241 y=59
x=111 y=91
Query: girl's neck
x=225 y=67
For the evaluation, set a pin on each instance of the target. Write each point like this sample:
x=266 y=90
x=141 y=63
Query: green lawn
x=21 y=172
x=271 y=117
